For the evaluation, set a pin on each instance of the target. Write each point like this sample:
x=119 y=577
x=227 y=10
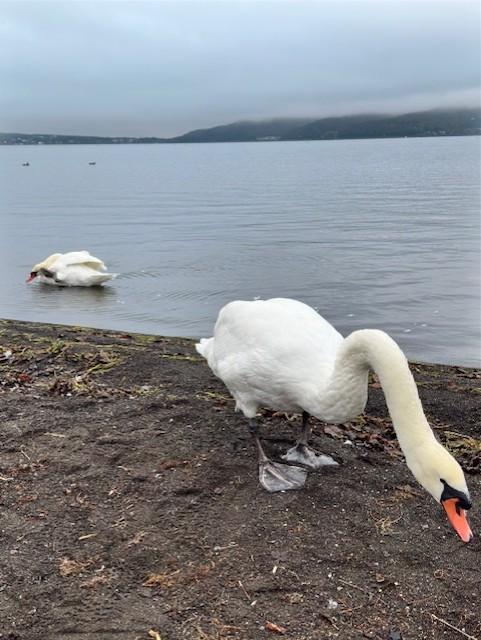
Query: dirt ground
x=130 y=507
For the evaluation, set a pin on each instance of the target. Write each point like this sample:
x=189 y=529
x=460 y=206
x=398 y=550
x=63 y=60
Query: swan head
x=42 y=267
x=439 y=473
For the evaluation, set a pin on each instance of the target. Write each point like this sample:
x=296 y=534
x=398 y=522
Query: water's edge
x=112 y=333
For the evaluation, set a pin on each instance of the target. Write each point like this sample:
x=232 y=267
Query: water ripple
x=380 y=233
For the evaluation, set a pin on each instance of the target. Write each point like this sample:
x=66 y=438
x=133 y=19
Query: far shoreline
x=433 y=123
x=200 y=142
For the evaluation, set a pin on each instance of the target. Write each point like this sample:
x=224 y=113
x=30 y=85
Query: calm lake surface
x=372 y=233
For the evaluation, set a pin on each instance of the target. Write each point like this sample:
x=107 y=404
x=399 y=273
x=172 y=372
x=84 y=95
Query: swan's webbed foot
x=302 y=454
x=274 y=476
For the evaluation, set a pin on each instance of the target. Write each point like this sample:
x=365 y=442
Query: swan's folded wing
x=83 y=258
x=81 y=275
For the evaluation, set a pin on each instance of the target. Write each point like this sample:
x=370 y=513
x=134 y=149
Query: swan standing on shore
x=73 y=269
x=282 y=354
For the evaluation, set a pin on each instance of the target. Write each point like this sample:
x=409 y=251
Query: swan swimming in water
x=282 y=354
x=73 y=269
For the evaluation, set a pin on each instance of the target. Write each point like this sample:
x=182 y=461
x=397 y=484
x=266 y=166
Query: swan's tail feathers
x=204 y=347
x=101 y=278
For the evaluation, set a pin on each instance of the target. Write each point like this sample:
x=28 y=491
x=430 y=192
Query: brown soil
x=130 y=507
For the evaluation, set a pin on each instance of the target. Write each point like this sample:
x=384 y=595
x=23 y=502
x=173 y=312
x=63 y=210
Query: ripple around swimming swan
x=143 y=273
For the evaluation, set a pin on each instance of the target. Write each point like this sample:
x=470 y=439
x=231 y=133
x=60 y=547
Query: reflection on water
x=46 y=297
x=372 y=233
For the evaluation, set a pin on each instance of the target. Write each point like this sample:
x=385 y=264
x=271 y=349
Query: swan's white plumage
x=282 y=354
x=272 y=353
x=73 y=269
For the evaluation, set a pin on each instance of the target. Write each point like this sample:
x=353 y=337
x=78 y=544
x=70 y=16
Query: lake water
x=372 y=233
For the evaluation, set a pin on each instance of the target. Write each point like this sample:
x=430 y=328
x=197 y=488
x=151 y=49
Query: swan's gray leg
x=272 y=475
x=303 y=454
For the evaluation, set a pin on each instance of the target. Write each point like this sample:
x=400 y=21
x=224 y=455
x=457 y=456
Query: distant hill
x=245 y=131
x=438 y=122
x=463 y=122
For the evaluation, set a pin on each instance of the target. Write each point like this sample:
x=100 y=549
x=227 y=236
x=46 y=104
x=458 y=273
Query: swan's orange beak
x=457 y=517
x=31 y=277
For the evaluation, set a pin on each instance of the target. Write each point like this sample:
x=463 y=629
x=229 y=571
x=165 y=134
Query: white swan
x=281 y=354
x=73 y=269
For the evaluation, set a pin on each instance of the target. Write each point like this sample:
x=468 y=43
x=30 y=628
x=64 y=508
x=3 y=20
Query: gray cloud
x=162 y=68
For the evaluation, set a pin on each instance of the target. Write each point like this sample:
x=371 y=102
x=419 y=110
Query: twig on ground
x=354 y=586
x=329 y=619
x=225 y=628
x=350 y=610
x=25 y=454
x=451 y=626
x=244 y=590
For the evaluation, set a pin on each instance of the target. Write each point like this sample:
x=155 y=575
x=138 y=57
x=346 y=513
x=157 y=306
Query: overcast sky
x=163 y=68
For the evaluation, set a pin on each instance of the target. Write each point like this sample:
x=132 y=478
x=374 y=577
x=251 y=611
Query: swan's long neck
x=346 y=393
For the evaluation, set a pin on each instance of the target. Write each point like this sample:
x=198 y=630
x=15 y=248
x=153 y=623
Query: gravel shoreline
x=130 y=504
